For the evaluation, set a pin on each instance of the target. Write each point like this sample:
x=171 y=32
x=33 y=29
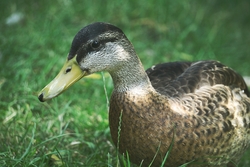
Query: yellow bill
x=69 y=74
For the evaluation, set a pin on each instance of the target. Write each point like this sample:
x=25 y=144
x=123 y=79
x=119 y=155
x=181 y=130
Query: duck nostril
x=67 y=70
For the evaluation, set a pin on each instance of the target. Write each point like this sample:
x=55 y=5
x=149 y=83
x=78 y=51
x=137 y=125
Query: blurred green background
x=72 y=130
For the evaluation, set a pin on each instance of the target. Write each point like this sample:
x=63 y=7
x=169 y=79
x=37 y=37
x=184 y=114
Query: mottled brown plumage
x=208 y=127
x=204 y=105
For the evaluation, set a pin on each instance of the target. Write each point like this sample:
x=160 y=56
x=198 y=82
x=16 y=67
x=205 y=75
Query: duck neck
x=131 y=76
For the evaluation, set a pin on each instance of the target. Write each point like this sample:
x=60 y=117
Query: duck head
x=96 y=47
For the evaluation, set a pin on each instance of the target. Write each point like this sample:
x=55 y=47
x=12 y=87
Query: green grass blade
x=169 y=150
x=29 y=146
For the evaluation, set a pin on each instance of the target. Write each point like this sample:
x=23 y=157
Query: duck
x=196 y=112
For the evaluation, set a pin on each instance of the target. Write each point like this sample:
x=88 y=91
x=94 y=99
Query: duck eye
x=95 y=44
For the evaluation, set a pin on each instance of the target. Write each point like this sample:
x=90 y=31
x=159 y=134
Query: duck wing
x=175 y=79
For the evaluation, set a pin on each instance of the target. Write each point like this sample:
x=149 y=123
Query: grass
x=72 y=130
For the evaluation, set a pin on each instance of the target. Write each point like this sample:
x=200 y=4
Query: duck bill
x=69 y=74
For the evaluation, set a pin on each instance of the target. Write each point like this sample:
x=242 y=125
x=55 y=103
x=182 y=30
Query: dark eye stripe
x=87 y=48
x=97 y=44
